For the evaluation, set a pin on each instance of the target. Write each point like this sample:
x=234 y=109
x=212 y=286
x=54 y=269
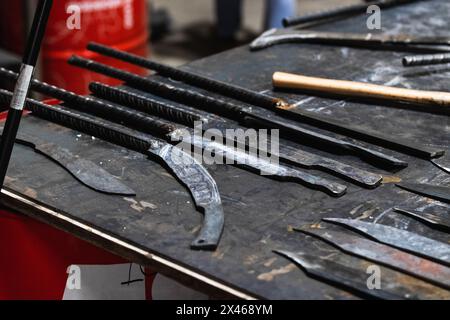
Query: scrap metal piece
x=384 y=254
x=442 y=163
x=398 y=238
x=431 y=191
x=346 y=271
x=434 y=220
x=192 y=175
x=242 y=94
x=280 y=36
x=85 y=171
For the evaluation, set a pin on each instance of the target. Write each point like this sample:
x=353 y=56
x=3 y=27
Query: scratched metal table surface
x=260 y=212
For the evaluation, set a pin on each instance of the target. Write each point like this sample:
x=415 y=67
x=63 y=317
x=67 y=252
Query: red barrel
x=122 y=24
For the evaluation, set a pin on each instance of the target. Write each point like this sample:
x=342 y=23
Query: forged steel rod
x=23 y=82
x=288 y=154
x=270 y=103
x=193 y=175
x=225 y=108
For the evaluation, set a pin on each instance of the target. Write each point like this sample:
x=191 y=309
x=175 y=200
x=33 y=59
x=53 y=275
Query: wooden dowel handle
x=360 y=89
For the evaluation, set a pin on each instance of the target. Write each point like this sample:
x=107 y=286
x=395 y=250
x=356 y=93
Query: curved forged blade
x=266 y=167
x=347 y=271
x=85 y=171
x=203 y=189
x=401 y=239
x=435 y=192
x=432 y=219
x=380 y=253
x=443 y=163
x=359 y=176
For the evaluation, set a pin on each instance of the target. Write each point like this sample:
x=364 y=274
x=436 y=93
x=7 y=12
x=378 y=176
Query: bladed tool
x=383 y=254
x=350 y=272
x=427 y=190
x=193 y=175
x=398 y=238
x=85 y=171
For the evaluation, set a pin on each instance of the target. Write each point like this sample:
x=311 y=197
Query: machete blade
x=398 y=238
x=381 y=253
x=431 y=191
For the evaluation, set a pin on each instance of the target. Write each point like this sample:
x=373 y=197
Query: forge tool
x=288 y=154
x=383 y=254
x=397 y=42
x=362 y=89
x=247 y=96
x=434 y=192
x=85 y=171
x=441 y=222
x=222 y=107
x=21 y=90
x=143 y=122
x=341 y=12
x=194 y=176
x=398 y=238
x=344 y=270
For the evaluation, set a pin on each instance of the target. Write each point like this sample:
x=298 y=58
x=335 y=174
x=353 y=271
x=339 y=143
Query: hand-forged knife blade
x=439 y=221
x=203 y=189
x=85 y=171
x=142 y=143
x=351 y=272
x=442 y=163
x=431 y=191
x=384 y=254
x=398 y=238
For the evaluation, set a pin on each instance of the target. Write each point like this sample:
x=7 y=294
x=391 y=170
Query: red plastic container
x=122 y=24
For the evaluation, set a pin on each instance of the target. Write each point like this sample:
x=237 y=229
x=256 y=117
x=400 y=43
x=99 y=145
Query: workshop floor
x=192 y=35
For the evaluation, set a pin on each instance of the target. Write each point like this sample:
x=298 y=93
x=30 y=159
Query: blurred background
x=170 y=31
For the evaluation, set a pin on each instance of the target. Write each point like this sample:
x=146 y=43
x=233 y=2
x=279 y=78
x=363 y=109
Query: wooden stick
x=361 y=89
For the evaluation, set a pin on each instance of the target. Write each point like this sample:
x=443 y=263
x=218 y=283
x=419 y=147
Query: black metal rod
x=427 y=59
x=226 y=89
x=22 y=85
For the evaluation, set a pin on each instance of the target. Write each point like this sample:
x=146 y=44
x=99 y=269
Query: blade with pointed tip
x=431 y=191
x=85 y=171
x=401 y=239
x=381 y=253
x=434 y=220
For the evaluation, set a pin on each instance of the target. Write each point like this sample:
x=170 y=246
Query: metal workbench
x=156 y=227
